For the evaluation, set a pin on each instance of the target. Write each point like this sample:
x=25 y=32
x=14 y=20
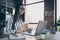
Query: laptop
x=41 y=26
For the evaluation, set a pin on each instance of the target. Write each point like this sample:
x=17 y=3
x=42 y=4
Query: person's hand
x=18 y=31
x=29 y=30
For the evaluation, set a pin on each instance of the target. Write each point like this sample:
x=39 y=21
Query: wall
x=49 y=12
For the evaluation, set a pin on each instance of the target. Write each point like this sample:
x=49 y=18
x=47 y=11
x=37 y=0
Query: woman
x=16 y=25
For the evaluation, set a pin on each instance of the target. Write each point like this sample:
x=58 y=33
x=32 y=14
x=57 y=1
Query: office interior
x=35 y=11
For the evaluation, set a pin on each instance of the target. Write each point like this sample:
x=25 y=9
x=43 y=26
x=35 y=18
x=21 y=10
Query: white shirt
x=18 y=25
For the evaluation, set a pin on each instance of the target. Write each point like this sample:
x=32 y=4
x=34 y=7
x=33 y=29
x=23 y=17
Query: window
x=34 y=12
x=58 y=9
x=58 y=15
x=32 y=1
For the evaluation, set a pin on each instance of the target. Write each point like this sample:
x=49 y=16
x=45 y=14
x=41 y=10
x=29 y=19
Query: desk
x=29 y=37
x=3 y=37
x=26 y=37
x=49 y=37
x=57 y=36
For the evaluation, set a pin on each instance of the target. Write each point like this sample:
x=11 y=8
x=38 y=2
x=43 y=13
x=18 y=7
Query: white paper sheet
x=19 y=37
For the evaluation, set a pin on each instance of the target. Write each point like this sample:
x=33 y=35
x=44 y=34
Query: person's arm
x=23 y=27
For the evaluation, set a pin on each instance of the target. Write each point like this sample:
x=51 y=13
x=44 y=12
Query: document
x=16 y=37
